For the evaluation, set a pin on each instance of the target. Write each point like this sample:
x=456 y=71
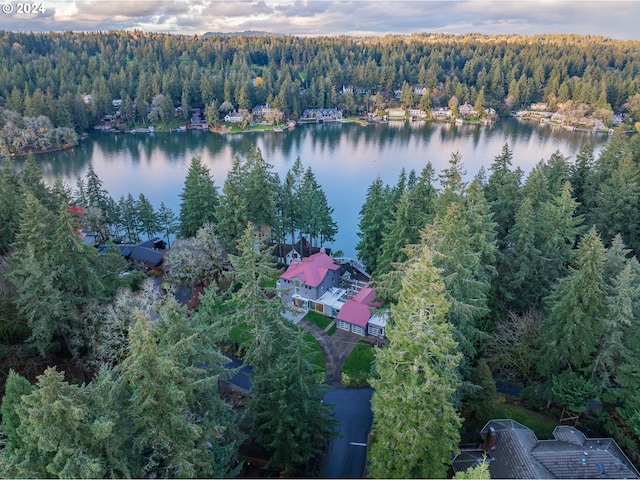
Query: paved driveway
x=348 y=453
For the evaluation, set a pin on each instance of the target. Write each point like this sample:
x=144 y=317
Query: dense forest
x=73 y=78
x=532 y=281
x=527 y=279
x=144 y=397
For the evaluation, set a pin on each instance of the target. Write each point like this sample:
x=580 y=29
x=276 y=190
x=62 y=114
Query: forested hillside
x=529 y=279
x=73 y=78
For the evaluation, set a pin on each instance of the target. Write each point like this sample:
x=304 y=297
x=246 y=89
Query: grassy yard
x=332 y=330
x=357 y=367
x=540 y=423
x=320 y=320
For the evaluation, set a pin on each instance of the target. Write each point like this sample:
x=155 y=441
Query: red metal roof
x=311 y=270
x=367 y=296
x=355 y=313
x=357 y=310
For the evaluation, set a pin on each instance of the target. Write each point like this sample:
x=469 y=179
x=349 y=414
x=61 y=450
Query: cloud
x=338 y=17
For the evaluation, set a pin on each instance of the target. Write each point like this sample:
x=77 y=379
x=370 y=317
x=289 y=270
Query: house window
x=297 y=289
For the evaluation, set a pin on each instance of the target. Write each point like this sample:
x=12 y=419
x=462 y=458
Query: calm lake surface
x=345 y=158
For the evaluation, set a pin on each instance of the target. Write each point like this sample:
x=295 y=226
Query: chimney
x=490 y=440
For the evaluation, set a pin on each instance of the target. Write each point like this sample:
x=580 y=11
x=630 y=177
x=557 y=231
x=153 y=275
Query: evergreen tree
x=452 y=184
x=373 y=216
x=582 y=179
x=422 y=199
x=295 y=435
x=576 y=311
x=416 y=426
x=315 y=215
x=399 y=234
x=10 y=204
x=15 y=387
x=199 y=199
x=617 y=203
x=182 y=427
x=54 y=274
x=149 y=222
x=623 y=306
x=168 y=222
x=129 y=218
x=502 y=194
x=30 y=180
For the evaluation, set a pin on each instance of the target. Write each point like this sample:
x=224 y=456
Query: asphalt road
x=348 y=453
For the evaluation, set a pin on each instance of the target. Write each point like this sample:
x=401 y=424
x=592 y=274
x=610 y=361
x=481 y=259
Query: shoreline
x=50 y=150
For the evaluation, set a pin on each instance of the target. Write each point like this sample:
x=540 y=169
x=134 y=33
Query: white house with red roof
x=313 y=283
x=307 y=279
x=357 y=314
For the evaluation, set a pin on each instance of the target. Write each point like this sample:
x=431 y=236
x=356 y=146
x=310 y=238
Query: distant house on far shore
x=233 y=117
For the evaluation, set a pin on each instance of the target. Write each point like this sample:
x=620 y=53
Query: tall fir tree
x=373 y=217
x=577 y=307
x=415 y=425
x=199 y=199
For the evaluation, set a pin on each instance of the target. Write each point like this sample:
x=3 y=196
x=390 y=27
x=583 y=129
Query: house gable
x=311 y=271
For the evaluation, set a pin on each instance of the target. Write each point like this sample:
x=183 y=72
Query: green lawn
x=332 y=330
x=540 y=423
x=320 y=320
x=357 y=367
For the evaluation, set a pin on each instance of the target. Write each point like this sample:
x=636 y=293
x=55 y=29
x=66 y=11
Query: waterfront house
x=356 y=315
x=261 y=111
x=418 y=90
x=322 y=114
x=417 y=113
x=287 y=253
x=397 y=113
x=307 y=279
x=233 y=117
x=197 y=122
x=514 y=451
x=147 y=254
x=467 y=110
x=441 y=113
x=541 y=107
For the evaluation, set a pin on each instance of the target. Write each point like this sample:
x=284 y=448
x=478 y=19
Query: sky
x=614 y=19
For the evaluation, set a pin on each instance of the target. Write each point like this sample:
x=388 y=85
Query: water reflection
x=345 y=157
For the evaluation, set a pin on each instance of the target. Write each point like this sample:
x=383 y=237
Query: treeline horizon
x=49 y=73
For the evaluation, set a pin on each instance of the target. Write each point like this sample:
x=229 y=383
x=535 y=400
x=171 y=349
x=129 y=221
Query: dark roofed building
x=517 y=453
x=285 y=253
x=149 y=253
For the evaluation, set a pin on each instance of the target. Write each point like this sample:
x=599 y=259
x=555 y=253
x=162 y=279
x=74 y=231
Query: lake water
x=345 y=158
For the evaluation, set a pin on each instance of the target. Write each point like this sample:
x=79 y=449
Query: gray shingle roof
x=519 y=454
